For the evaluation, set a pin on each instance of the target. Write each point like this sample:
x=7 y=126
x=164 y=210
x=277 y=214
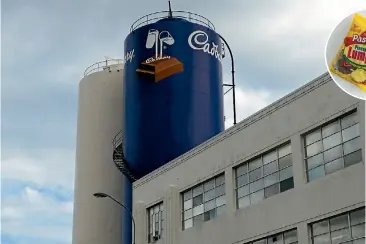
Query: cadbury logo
x=198 y=40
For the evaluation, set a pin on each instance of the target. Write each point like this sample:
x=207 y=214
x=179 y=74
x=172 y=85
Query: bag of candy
x=350 y=61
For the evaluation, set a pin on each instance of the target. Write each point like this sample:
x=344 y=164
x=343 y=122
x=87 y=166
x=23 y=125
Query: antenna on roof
x=170 y=10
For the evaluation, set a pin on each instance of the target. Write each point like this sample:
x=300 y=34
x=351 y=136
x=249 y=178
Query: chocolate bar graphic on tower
x=161 y=68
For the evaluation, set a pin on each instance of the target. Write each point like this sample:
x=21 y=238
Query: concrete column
x=140 y=217
x=172 y=215
x=298 y=161
x=303 y=233
x=362 y=120
x=230 y=191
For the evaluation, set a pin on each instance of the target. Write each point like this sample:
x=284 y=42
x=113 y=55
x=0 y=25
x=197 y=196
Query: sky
x=46 y=45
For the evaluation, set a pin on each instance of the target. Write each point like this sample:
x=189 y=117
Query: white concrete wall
x=308 y=107
x=99 y=120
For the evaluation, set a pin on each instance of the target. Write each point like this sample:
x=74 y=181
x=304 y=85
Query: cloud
x=37 y=196
x=248 y=100
x=45 y=167
x=34 y=215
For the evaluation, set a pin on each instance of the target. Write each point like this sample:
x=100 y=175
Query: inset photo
x=345 y=54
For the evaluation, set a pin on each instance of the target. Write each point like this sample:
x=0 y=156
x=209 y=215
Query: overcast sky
x=46 y=45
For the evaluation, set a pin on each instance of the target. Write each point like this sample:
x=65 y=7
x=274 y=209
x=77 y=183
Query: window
x=333 y=147
x=155 y=222
x=204 y=202
x=348 y=228
x=264 y=176
x=287 y=237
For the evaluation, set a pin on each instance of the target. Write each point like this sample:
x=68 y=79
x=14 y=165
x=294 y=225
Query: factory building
x=293 y=172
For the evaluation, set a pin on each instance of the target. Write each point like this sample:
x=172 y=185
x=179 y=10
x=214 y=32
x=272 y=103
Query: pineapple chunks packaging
x=350 y=61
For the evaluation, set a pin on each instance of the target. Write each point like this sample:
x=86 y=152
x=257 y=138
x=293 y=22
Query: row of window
x=329 y=148
x=345 y=228
x=332 y=147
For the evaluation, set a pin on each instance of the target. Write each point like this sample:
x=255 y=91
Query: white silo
x=99 y=120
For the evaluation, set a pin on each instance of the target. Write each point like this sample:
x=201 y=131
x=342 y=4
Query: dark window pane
x=241 y=170
x=255 y=174
x=243 y=191
x=220 y=180
x=256 y=185
x=242 y=180
x=263 y=241
x=348 y=120
x=332 y=141
x=209 y=215
x=320 y=228
x=312 y=137
x=256 y=163
x=197 y=190
x=257 y=196
x=197 y=220
x=285 y=161
x=290 y=236
x=187 y=195
x=315 y=161
x=350 y=132
x=278 y=239
x=352 y=145
x=271 y=179
x=333 y=153
x=358 y=231
x=209 y=185
x=313 y=149
x=209 y=195
x=270 y=168
x=340 y=236
x=243 y=202
x=334 y=166
x=269 y=157
x=197 y=200
x=220 y=190
x=353 y=158
x=272 y=190
x=339 y=222
x=286 y=173
x=287 y=184
x=358 y=217
x=316 y=173
x=331 y=129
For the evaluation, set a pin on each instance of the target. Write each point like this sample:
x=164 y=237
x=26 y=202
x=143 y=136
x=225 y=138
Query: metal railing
x=117 y=140
x=119 y=157
x=102 y=65
x=154 y=17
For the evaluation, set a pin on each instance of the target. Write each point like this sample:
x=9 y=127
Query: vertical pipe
x=232 y=77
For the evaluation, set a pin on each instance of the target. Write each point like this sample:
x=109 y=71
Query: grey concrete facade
x=286 y=120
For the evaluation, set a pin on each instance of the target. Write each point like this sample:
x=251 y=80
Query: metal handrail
x=117 y=140
x=102 y=65
x=153 y=17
